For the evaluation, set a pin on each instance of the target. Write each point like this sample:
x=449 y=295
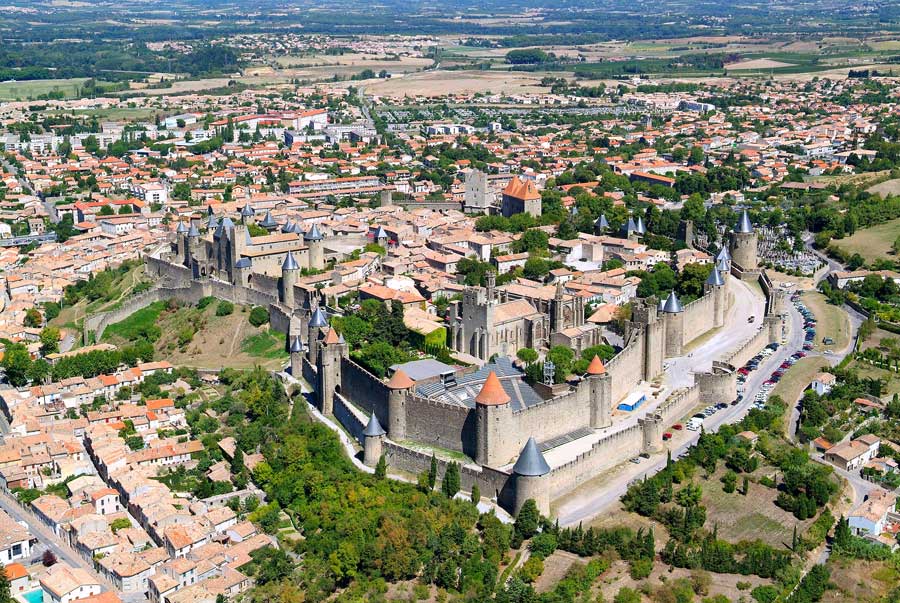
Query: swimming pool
x=34 y=596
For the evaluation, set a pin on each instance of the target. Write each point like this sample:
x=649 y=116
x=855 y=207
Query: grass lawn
x=831 y=321
x=268 y=344
x=134 y=325
x=797 y=378
x=873 y=243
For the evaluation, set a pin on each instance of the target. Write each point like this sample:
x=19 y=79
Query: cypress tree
x=432 y=472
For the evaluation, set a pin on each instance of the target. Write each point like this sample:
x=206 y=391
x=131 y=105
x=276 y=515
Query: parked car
x=667 y=436
x=677 y=426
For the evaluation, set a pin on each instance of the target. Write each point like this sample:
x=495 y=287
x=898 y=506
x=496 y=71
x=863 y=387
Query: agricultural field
x=872 y=243
x=439 y=83
x=32 y=89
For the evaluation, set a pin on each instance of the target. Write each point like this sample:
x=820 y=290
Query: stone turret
x=315 y=241
x=530 y=473
x=373 y=441
x=491 y=285
x=317 y=321
x=296 y=350
x=493 y=414
x=242 y=269
x=674 y=316
x=651 y=430
x=600 y=384
x=558 y=306
x=248 y=215
x=181 y=241
x=290 y=269
x=715 y=285
x=399 y=385
x=381 y=237
x=268 y=222
x=329 y=369
x=601 y=225
x=744 y=244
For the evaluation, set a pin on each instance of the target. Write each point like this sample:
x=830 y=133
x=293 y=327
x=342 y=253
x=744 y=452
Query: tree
x=33 y=318
x=237 y=461
x=258 y=316
x=842 y=534
x=49 y=340
x=527 y=520
x=729 y=481
x=432 y=473
x=271 y=565
x=119 y=524
x=476 y=494
x=16 y=364
x=527 y=355
x=224 y=308
x=450 y=484
x=381 y=468
x=48 y=558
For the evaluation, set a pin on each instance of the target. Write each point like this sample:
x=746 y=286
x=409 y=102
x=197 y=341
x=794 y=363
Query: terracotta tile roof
x=400 y=380
x=492 y=393
x=596 y=366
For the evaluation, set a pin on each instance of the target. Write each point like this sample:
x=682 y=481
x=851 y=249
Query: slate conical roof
x=289 y=262
x=341 y=339
x=381 y=233
x=181 y=228
x=319 y=318
x=673 y=304
x=209 y=210
x=596 y=366
x=212 y=222
x=744 y=226
x=715 y=278
x=373 y=429
x=722 y=266
x=247 y=211
x=531 y=462
x=601 y=222
x=639 y=226
x=492 y=392
x=288 y=226
x=630 y=226
x=313 y=234
x=296 y=345
x=268 y=221
x=243 y=263
x=400 y=380
x=723 y=254
x=192 y=231
x=574 y=211
x=661 y=305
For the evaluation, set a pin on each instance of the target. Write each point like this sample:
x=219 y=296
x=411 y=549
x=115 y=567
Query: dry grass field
x=872 y=243
x=440 y=83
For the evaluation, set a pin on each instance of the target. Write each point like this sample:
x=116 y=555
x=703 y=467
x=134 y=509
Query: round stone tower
x=744 y=243
x=492 y=419
x=373 y=441
x=529 y=473
x=289 y=271
x=600 y=384
x=315 y=241
x=715 y=286
x=399 y=384
x=674 y=316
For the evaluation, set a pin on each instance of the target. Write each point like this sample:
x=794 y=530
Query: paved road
x=46 y=538
x=747 y=302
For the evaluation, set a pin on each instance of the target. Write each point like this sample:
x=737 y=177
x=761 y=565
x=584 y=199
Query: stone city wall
x=627 y=368
x=699 y=317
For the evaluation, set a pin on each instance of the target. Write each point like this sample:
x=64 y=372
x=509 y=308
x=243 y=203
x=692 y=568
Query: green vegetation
x=269 y=344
